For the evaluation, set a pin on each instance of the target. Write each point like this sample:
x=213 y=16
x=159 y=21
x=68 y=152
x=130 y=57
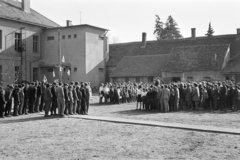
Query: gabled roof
x=12 y=10
x=118 y=51
x=196 y=58
x=146 y=65
x=233 y=66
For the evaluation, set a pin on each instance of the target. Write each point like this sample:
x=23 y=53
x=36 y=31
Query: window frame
x=35 y=43
x=50 y=38
x=1 y=39
x=17 y=39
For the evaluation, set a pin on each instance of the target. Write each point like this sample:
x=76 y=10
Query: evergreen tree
x=158 y=30
x=169 y=31
x=210 y=30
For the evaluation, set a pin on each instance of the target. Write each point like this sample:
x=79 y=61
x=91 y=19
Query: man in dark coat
x=16 y=100
x=39 y=96
x=32 y=97
x=79 y=94
x=2 y=102
x=83 y=102
x=26 y=98
x=54 y=99
x=223 y=96
x=67 y=99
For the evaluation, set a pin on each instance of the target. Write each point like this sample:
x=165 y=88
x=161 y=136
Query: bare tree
x=11 y=73
x=113 y=39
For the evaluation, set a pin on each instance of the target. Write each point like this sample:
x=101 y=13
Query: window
x=101 y=69
x=0 y=74
x=150 y=79
x=49 y=70
x=114 y=79
x=35 y=74
x=190 y=79
x=206 y=78
x=63 y=37
x=50 y=38
x=69 y=36
x=126 y=79
x=35 y=43
x=75 y=36
x=138 y=79
x=17 y=41
x=75 y=69
x=0 y=40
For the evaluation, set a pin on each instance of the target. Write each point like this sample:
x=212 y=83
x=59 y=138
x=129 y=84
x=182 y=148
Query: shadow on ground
x=27 y=119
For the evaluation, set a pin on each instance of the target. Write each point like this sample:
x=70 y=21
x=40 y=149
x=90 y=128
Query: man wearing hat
x=223 y=96
x=2 y=102
x=101 y=93
x=87 y=97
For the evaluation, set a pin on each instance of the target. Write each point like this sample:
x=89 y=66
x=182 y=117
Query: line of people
x=67 y=99
x=218 y=95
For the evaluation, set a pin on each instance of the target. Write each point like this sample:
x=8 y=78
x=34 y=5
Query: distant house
x=187 y=59
x=32 y=46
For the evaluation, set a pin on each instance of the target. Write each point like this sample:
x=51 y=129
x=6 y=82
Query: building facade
x=32 y=46
x=189 y=59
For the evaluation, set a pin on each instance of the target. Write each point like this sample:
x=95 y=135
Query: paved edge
x=163 y=124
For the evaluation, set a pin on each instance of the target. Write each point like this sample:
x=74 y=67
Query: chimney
x=144 y=37
x=193 y=33
x=26 y=5
x=69 y=23
x=238 y=34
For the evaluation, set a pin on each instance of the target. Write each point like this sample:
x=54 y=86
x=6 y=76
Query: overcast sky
x=127 y=19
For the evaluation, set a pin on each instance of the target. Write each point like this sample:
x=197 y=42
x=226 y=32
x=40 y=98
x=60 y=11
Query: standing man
x=8 y=98
x=61 y=100
x=223 y=96
x=101 y=93
x=196 y=95
x=2 y=102
x=21 y=98
x=26 y=98
x=47 y=99
x=54 y=99
x=88 y=93
x=83 y=102
x=166 y=96
x=16 y=100
x=79 y=94
x=75 y=98
x=32 y=97
x=39 y=96
x=177 y=97
x=67 y=99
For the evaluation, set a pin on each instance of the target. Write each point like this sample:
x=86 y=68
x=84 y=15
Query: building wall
x=197 y=75
x=86 y=53
x=95 y=58
x=9 y=54
x=73 y=50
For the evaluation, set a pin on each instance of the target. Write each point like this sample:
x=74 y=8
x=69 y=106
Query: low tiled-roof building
x=139 y=68
x=194 y=58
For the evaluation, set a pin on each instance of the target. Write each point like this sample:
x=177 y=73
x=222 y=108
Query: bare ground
x=34 y=137
x=217 y=118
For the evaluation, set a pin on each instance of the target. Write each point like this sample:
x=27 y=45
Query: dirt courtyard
x=34 y=137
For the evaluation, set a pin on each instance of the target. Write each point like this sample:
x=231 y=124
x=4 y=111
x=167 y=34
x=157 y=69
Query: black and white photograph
x=119 y=80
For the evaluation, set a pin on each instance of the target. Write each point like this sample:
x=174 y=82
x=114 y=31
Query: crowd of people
x=217 y=95
x=54 y=99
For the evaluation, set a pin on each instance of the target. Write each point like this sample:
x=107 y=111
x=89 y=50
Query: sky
x=127 y=19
